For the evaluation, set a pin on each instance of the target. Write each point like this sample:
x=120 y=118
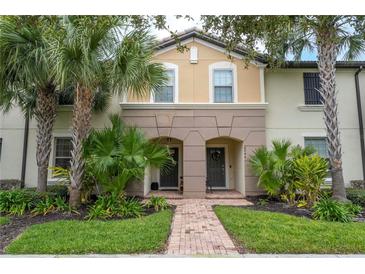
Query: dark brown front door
x=216 y=167
x=170 y=178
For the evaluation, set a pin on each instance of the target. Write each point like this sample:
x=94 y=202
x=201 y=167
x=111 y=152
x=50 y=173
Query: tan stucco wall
x=197 y=127
x=194 y=78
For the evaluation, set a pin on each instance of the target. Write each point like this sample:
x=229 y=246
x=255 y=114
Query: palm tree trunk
x=327 y=55
x=45 y=115
x=81 y=125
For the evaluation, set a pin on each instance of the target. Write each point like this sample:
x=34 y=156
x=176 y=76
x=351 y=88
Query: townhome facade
x=212 y=114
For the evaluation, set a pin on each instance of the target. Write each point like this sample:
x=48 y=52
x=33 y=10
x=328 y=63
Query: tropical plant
x=157 y=203
x=27 y=78
x=353 y=209
x=131 y=208
x=357 y=196
x=329 y=36
x=95 y=52
x=310 y=173
x=331 y=210
x=44 y=207
x=16 y=202
x=275 y=167
x=114 y=205
x=117 y=155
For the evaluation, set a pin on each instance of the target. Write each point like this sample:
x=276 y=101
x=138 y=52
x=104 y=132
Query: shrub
x=114 y=205
x=328 y=209
x=16 y=202
x=309 y=174
x=357 y=196
x=353 y=209
x=157 y=203
x=131 y=208
x=118 y=155
x=44 y=206
x=286 y=171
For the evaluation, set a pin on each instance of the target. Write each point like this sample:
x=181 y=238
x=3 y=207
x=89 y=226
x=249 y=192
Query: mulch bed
x=280 y=207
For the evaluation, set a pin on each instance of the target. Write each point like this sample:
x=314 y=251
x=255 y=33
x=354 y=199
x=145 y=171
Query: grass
x=4 y=220
x=143 y=235
x=267 y=232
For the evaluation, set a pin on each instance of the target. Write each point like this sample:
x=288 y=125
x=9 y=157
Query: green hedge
x=357 y=196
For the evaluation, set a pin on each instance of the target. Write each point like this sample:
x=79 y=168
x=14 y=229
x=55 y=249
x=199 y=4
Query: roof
x=197 y=33
x=313 y=64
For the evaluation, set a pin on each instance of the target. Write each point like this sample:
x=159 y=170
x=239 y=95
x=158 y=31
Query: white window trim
x=51 y=179
x=175 y=68
x=328 y=180
x=222 y=65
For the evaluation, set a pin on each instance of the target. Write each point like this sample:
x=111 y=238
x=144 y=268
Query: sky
x=182 y=24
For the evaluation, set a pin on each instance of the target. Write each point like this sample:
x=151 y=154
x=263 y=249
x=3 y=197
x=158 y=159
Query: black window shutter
x=311 y=89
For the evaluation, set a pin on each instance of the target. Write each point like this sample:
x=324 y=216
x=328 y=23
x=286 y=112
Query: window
x=63 y=147
x=223 y=85
x=166 y=94
x=311 y=89
x=319 y=143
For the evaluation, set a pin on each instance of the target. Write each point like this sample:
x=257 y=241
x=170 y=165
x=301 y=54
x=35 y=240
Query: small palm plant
x=272 y=166
x=118 y=155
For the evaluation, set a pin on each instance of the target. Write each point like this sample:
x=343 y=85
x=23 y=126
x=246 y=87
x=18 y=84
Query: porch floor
x=216 y=194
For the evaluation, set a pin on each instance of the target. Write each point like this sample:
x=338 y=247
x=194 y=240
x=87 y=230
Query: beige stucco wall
x=12 y=130
x=285 y=92
x=193 y=79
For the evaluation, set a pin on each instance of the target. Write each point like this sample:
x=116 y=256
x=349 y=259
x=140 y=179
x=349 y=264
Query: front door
x=216 y=167
x=170 y=178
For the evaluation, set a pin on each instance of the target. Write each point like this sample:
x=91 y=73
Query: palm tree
x=329 y=36
x=95 y=52
x=27 y=79
x=117 y=155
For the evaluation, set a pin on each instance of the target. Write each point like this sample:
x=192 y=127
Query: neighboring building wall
x=287 y=117
x=12 y=130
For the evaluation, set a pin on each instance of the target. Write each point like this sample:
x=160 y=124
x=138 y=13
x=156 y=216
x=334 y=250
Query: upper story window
x=311 y=89
x=170 y=92
x=165 y=94
x=223 y=85
x=222 y=82
x=63 y=147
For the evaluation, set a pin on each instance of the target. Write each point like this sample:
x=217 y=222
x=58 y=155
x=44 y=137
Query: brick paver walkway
x=196 y=229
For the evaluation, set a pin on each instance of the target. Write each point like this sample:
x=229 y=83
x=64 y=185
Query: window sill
x=311 y=108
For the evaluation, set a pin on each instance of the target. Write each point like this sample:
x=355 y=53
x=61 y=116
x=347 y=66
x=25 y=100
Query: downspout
x=25 y=150
x=361 y=126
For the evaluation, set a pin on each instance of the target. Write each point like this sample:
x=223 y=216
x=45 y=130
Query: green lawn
x=267 y=232
x=143 y=235
x=4 y=220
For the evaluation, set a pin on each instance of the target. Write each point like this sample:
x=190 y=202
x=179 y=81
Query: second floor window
x=223 y=85
x=166 y=94
x=63 y=147
x=311 y=89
